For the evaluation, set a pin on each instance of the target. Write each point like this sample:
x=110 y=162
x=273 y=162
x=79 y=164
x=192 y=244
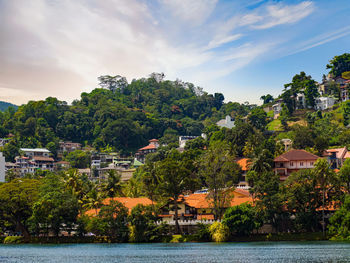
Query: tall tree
x=339 y=64
x=220 y=172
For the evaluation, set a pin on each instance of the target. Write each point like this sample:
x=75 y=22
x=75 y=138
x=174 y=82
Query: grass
x=275 y=125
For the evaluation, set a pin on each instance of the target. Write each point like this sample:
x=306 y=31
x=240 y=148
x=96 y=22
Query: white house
x=323 y=103
x=300 y=101
x=29 y=152
x=277 y=108
x=184 y=139
x=228 y=122
x=2 y=168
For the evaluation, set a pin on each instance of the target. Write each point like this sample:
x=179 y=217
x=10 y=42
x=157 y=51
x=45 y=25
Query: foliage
x=13 y=240
x=241 y=219
x=79 y=159
x=340 y=222
x=339 y=64
x=17 y=198
x=219 y=171
x=219 y=232
x=111 y=221
x=266 y=98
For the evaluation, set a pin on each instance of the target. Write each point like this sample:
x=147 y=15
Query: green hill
x=4 y=105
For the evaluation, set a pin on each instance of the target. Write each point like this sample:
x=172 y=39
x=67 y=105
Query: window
x=312 y=163
x=291 y=164
x=301 y=164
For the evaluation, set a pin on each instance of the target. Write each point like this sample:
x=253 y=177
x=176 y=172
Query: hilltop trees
x=339 y=64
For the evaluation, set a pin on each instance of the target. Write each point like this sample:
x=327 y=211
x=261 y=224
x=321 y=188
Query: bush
x=13 y=240
x=219 y=232
x=202 y=233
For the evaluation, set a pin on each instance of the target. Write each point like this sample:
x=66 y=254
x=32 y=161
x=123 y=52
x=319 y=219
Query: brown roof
x=296 y=155
x=339 y=152
x=148 y=147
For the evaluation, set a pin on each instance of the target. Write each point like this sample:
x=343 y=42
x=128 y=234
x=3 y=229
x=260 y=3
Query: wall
x=2 y=168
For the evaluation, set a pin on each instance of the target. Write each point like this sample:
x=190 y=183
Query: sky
x=241 y=48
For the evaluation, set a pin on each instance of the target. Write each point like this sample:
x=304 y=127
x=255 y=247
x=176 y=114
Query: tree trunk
x=178 y=230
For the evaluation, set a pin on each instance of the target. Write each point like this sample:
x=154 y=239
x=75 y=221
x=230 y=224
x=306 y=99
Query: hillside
x=4 y=105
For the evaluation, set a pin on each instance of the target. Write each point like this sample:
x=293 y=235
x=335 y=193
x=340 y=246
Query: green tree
x=339 y=64
x=257 y=118
x=111 y=221
x=79 y=159
x=340 y=222
x=113 y=185
x=266 y=98
x=220 y=172
x=345 y=175
x=17 y=198
x=241 y=219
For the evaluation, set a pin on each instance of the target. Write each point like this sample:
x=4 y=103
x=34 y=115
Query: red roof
x=154 y=140
x=339 y=152
x=43 y=158
x=148 y=147
x=296 y=155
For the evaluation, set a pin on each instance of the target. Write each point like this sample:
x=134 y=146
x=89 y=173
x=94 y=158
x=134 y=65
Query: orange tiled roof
x=201 y=201
x=148 y=147
x=244 y=163
x=128 y=202
x=339 y=152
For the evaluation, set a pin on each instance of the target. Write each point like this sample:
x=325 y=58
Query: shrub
x=202 y=233
x=13 y=240
x=219 y=232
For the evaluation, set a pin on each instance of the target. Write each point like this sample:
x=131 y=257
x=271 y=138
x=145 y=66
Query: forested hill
x=4 y=105
x=119 y=115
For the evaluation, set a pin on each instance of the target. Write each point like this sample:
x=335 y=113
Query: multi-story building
x=67 y=147
x=34 y=159
x=293 y=161
x=336 y=157
x=144 y=151
x=2 y=168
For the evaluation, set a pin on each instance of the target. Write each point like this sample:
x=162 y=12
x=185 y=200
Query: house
x=28 y=165
x=344 y=93
x=277 y=108
x=336 y=157
x=144 y=151
x=244 y=164
x=184 y=139
x=2 y=168
x=228 y=122
x=198 y=206
x=300 y=102
x=128 y=202
x=293 y=161
x=62 y=165
x=67 y=147
x=323 y=103
x=29 y=152
x=4 y=141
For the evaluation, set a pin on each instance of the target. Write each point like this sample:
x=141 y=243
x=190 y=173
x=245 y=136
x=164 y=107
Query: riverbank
x=318 y=236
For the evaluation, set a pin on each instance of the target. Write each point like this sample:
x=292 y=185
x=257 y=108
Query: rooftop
x=34 y=150
x=296 y=155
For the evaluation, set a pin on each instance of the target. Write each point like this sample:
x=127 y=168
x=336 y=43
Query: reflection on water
x=188 y=252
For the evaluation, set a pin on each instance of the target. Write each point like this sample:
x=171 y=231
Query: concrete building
x=228 y=122
x=323 y=103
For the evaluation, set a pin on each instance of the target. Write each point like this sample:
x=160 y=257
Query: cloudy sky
x=242 y=48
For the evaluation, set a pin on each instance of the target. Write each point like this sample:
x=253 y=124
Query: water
x=176 y=253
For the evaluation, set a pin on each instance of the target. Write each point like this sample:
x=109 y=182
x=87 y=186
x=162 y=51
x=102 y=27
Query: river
x=184 y=252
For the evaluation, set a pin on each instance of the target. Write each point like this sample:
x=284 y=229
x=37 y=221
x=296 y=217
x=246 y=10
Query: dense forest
x=5 y=105
x=118 y=115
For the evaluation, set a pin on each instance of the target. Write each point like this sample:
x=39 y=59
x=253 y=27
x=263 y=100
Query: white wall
x=2 y=168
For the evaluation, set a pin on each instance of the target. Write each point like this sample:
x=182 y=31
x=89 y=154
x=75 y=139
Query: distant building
x=228 y=122
x=300 y=101
x=336 y=157
x=2 y=168
x=67 y=147
x=244 y=164
x=277 y=108
x=323 y=103
x=287 y=143
x=293 y=161
x=29 y=152
x=34 y=159
x=144 y=151
x=184 y=139
x=4 y=141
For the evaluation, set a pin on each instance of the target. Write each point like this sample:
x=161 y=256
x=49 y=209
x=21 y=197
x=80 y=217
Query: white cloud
x=280 y=14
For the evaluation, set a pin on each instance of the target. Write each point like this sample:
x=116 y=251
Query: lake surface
x=183 y=252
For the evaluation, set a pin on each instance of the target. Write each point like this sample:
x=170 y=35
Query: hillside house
x=293 y=161
x=244 y=164
x=67 y=147
x=228 y=122
x=144 y=151
x=323 y=103
x=277 y=108
x=336 y=157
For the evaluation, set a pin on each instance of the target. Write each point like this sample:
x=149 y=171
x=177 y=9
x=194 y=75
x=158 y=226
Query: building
x=198 y=206
x=293 y=161
x=128 y=202
x=300 y=102
x=34 y=159
x=323 y=103
x=184 y=139
x=2 y=168
x=67 y=147
x=336 y=157
x=144 y=151
x=4 y=141
x=228 y=122
x=244 y=164
x=29 y=152
x=277 y=108
x=287 y=143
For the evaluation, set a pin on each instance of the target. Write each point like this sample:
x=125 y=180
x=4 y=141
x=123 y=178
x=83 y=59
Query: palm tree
x=113 y=185
x=93 y=199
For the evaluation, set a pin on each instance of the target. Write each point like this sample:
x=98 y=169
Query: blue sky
x=242 y=48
